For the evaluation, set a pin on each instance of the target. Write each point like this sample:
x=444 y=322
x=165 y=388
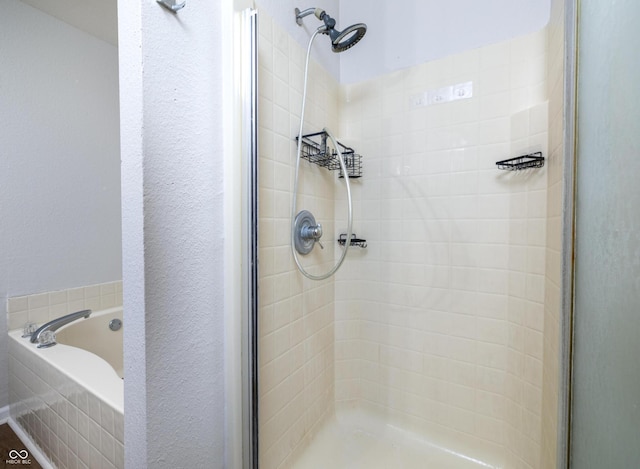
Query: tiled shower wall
x=525 y=316
x=439 y=321
x=296 y=339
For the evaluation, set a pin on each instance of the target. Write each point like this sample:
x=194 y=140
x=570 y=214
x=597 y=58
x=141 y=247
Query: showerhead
x=340 y=40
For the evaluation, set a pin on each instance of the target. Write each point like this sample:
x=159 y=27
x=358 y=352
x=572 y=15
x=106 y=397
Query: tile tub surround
x=72 y=427
x=43 y=307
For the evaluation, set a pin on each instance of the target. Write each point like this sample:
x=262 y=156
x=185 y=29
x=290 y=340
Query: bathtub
x=69 y=398
x=95 y=336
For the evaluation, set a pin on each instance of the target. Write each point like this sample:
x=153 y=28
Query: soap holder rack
x=355 y=241
x=532 y=160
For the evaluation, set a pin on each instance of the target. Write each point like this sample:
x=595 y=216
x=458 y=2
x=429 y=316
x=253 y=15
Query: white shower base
x=357 y=440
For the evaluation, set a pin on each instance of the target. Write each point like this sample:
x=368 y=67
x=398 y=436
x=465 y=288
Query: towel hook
x=172 y=5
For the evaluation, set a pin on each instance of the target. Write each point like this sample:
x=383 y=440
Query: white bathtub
x=95 y=336
x=69 y=398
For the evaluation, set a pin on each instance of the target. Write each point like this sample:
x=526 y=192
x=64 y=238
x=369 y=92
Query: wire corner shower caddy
x=314 y=149
x=532 y=160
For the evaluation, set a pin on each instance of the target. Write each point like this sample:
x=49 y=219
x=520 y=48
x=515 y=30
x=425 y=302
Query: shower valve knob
x=312 y=232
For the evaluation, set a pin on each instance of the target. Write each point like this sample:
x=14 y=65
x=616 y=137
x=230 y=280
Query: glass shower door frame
x=568 y=233
x=601 y=35
x=249 y=116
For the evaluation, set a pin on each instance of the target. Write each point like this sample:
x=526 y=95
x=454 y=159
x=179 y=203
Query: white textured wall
x=60 y=177
x=172 y=149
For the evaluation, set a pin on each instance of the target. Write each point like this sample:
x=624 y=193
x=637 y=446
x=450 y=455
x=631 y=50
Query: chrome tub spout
x=57 y=323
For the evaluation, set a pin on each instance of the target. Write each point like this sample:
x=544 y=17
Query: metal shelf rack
x=355 y=241
x=314 y=149
x=532 y=160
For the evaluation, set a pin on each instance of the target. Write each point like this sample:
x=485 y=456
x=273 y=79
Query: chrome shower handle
x=311 y=232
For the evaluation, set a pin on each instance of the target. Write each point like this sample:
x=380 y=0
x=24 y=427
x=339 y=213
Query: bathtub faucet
x=57 y=323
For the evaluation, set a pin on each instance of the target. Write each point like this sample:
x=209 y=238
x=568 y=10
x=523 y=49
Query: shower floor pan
x=355 y=440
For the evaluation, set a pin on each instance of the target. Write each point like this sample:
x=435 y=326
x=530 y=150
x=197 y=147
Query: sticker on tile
x=442 y=95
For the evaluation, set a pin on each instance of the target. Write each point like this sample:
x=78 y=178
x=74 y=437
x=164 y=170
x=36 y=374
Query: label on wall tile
x=442 y=95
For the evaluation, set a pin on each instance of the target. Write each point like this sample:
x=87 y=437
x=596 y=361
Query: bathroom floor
x=364 y=443
x=12 y=449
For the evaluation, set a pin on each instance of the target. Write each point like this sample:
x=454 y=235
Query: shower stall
x=435 y=341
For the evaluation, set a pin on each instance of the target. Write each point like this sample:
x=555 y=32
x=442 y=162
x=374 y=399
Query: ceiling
x=96 y=17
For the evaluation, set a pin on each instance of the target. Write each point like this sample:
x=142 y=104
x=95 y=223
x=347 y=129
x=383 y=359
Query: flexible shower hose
x=343 y=167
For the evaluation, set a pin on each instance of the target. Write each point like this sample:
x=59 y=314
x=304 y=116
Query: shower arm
x=309 y=11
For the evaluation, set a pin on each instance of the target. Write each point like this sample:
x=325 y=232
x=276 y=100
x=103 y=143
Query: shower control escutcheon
x=306 y=232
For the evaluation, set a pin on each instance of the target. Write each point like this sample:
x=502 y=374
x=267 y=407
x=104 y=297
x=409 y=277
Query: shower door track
x=249 y=92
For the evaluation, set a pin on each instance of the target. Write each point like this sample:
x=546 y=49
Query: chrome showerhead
x=340 y=40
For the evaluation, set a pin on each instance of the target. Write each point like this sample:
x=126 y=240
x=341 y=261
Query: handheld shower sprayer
x=340 y=40
x=305 y=232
